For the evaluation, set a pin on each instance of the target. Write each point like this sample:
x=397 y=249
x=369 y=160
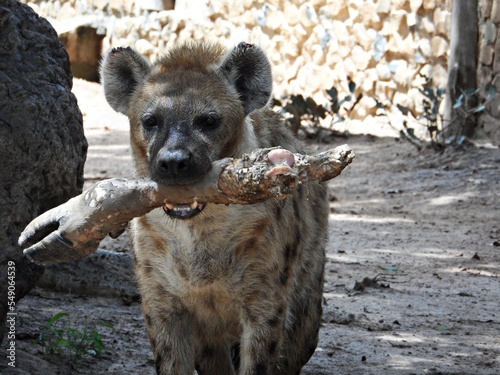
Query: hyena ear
x=249 y=70
x=122 y=71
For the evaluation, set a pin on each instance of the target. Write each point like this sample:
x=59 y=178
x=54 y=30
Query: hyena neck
x=249 y=141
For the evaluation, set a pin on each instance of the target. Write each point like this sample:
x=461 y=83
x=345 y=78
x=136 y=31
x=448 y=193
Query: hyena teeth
x=194 y=205
x=169 y=206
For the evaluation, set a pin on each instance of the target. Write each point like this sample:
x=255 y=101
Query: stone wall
x=382 y=45
x=489 y=67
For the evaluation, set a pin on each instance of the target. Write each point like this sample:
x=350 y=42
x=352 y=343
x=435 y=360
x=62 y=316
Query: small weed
x=465 y=106
x=301 y=110
x=58 y=338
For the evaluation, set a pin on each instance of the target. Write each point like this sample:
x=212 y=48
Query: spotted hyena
x=226 y=289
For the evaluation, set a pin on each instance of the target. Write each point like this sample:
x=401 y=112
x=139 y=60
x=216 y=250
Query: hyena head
x=189 y=108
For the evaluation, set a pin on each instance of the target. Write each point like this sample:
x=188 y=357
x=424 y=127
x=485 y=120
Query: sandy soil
x=412 y=275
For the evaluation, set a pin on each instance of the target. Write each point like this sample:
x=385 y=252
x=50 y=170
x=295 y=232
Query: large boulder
x=42 y=145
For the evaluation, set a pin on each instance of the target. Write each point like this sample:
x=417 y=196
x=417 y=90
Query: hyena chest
x=194 y=256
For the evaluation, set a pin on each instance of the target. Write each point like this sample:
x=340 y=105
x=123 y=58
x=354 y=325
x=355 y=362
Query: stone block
x=442 y=18
x=385 y=90
x=424 y=46
x=429 y=4
x=496 y=59
x=495 y=11
x=275 y=19
x=412 y=19
x=308 y=15
x=427 y=25
x=439 y=47
x=291 y=13
x=67 y=11
x=338 y=10
x=116 y=7
x=486 y=53
x=312 y=78
x=485 y=8
x=362 y=37
x=367 y=84
x=439 y=75
x=384 y=6
x=121 y=28
x=361 y=58
x=415 y=5
x=383 y=72
x=489 y=32
x=101 y=4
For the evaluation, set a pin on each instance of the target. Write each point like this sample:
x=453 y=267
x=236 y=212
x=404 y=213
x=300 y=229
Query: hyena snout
x=174 y=163
x=178 y=166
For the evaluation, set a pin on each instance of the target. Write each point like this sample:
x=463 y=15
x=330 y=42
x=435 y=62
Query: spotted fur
x=233 y=289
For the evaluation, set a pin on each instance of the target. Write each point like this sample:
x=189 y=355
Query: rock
x=383 y=6
x=291 y=13
x=365 y=38
x=275 y=19
x=427 y=26
x=104 y=273
x=415 y=5
x=489 y=32
x=496 y=61
x=486 y=54
x=412 y=19
x=144 y=47
x=367 y=84
x=368 y=14
x=383 y=72
x=361 y=58
x=424 y=46
x=485 y=7
x=439 y=75
x=379 y=47
x=401 y=73
x=42 y=145
x=442 y=21
x=385 y=90
x=439 y=47
x=429 y=4
x=495 y=12
x=308 y=16
x=338 y=10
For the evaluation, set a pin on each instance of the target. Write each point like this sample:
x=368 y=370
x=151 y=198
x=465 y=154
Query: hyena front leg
x=215 y=359
x=262 y=338
x=170 y=329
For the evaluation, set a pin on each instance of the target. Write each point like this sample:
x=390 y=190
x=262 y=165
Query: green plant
x=431 y=119
x=300 y=109
x=468 y=104
x=58 y=338
x=336 y=105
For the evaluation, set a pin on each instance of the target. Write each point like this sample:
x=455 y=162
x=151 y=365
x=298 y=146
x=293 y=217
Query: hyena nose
x=174 y=163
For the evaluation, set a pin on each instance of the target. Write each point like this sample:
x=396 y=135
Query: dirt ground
x=412 y=275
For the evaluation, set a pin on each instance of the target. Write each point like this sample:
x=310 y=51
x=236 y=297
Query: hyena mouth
x=183 y=211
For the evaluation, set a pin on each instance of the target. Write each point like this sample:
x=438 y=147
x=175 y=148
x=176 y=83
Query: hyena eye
x=207 y=121
x=149 y=121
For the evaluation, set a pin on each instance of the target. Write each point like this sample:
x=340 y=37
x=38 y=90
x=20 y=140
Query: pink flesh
x=281 y=169
x=281 y=156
